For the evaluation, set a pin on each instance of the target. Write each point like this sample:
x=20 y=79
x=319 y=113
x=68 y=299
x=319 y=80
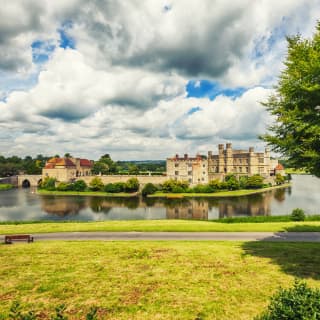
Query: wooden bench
x=18 y=237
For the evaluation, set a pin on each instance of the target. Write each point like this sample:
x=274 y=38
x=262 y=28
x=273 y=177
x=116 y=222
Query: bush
x=255 y=182
x=202 y=188
x=175 y=186
x=215 y=185
x=132 y=185
x=299 y=302
x=49 y=184
x=297 y=215
x=63 y=186
x=149 y=188
x=279 y=179
x=232 y=183
x=115 y=187
x=79 y=185
x=96 y=184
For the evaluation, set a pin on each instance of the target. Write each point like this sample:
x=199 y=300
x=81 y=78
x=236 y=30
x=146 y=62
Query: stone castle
x=202 y=169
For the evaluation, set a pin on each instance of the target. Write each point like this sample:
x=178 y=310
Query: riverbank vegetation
x=232 y=186
x=149 y=280
x=95 y=187
x=6 y=186
x=274 y=225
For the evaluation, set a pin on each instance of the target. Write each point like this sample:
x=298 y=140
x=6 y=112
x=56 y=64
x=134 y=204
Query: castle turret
x=229 y=158
x=221 y=163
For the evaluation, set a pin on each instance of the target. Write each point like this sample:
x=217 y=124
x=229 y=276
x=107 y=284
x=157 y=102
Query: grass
x=6 y=186
x=156 y=226
x=86 y=193
x=295 y=171
x=218 y=194
x=152 y=280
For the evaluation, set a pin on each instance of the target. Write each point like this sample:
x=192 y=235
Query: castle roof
x=85 y=163
x=66 y=162
x=279 y=167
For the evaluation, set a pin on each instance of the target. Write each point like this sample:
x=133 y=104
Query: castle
x=67 y=169
x=202 y=169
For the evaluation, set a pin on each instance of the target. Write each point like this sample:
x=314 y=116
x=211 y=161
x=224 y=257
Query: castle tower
x=221 y=163
x=229 y=158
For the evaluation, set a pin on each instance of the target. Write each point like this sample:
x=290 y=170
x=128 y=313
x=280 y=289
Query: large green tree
x=296 y=105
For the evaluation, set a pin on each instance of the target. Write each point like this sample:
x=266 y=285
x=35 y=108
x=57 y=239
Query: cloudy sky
x=141 y=79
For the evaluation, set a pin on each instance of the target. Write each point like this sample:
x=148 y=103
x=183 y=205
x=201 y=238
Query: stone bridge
x=29 y=180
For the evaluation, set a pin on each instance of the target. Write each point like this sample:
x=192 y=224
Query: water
x=25 y=204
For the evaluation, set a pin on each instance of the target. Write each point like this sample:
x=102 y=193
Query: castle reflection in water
x=195 y=208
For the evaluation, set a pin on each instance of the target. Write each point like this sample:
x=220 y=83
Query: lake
x=25 y=204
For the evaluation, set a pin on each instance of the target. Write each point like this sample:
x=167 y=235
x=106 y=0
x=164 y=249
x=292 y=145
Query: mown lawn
x=87 y=193
x=152 y=280
x=157 y=225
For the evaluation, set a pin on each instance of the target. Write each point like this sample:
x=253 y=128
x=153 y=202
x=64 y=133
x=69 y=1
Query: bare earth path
x=191 y=236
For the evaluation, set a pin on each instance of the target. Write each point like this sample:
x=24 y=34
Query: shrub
x=132 y=185
x=49 y=184
x=254 y=182
x=232 y=183
x=215 y=185
x=297 y=215
x=115 y=187
x=79 y=185
x=175 y=186
x=63 y=186
x=202 y=188
x=299 y=302
x=149 y=188
x=279 y=179
x=96 y=184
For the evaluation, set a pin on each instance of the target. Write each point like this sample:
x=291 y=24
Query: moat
x=25 y=204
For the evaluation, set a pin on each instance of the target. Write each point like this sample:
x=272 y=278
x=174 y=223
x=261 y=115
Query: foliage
x=16 y=312
x=232 y=182
x=175 y=186
x=96 y=184
x=115 y=187
x=133 y=169
x=297 y=215
x=298 y=303
x=202 y=188
x=14 y=165
x=254 y=182
x=48 y=184
x=149 y=188
x=295 y=105
x=63 y=186
x=6 y=186
x=279 y=179
x=132 y=185
x=79 y=185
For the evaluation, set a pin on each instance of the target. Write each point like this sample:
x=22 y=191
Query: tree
x=296 y=105
x=254 y=182
x=96 y=184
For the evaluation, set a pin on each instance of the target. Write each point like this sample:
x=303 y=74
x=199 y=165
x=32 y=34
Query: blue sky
x=141 y=80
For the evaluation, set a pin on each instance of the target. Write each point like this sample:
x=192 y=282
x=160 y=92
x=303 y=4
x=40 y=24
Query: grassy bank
x=86 y=193
x=143 y=280
x=6 y=186
x=218 y=194
x=295 y=171
x=157 y=226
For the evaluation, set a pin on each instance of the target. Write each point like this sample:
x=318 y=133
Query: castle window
x=176 y=173
x=240 y=169
x=247 y=169
x=261 y=160
x=176 y=165
x=202 y=179
x=203 y=172
x=189 y=164
x=204 y=165
x=189 y=173
x=190 y=180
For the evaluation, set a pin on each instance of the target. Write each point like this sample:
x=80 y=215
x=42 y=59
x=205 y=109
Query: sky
x=141 y=79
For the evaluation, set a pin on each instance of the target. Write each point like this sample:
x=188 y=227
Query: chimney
x=229 y=145
x=177 y=156
x=186 y=156
x=251 y=149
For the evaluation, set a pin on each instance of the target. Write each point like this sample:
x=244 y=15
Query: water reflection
x=23 y=204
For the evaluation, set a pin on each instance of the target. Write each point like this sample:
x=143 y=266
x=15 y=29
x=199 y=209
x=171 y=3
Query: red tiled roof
x=65 y=162
x=49 y=166
x=85 y=163
x=53 y=160
x=279 y=167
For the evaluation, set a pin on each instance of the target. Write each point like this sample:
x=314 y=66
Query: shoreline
x=219 y=194
x=87 y=193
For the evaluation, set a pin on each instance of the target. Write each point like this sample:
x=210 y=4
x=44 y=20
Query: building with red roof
x=67 y=169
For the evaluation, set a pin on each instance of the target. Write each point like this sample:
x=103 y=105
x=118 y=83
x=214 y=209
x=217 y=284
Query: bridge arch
x=26 y=183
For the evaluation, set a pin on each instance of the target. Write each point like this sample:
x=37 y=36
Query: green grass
x=157 y=225
x=6 y=186
x=152 y=280
x=220 y=194
x=86 y=193
x=295 y=171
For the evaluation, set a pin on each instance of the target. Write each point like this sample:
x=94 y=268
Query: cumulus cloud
x=110 y=76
